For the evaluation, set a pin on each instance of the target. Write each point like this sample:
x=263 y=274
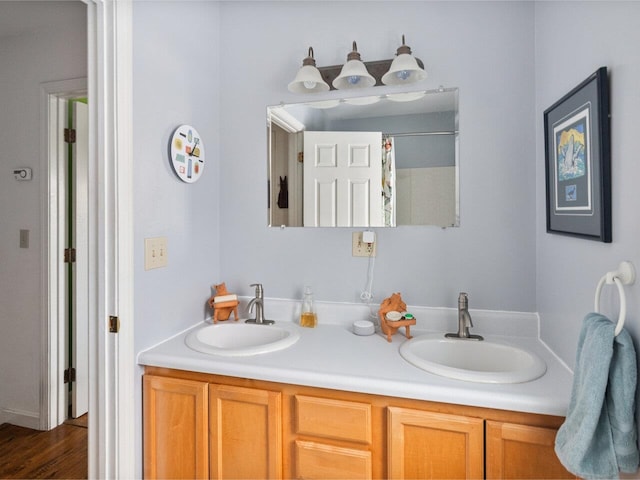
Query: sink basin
x=473 y=361
x=242 y=339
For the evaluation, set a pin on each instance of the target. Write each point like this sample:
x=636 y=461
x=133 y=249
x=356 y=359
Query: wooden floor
x=59 y=453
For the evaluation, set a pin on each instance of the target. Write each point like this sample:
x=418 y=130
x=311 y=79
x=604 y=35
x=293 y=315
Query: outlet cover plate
x=360 y=248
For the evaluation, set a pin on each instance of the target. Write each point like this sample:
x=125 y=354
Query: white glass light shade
x=404 y=70
x=308 y=80
x=354 y=74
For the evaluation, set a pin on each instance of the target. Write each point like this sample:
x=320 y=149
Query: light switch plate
x=24 y=238
x=155 y=252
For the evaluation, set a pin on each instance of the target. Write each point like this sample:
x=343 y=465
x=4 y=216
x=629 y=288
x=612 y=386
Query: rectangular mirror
x=376 y=161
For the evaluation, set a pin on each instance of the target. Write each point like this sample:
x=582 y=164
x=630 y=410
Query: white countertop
x=331 y=356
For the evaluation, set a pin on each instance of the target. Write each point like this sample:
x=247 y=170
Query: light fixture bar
x=376 y=68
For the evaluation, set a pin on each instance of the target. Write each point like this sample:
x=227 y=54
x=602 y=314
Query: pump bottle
x=308 y=317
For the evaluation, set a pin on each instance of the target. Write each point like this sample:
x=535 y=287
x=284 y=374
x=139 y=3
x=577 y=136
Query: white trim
x=112 y=362
x=52 y=398
x=21 y=418
x=285 y=120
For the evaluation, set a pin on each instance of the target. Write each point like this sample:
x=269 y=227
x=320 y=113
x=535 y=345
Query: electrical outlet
x=360 y=248
x=155 y=252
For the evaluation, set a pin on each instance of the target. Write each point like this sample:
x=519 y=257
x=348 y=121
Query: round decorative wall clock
x=187 y=153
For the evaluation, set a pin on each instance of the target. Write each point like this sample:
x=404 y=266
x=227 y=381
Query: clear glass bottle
x=308 y=317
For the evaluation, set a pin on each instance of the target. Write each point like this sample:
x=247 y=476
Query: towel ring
x=625 y=275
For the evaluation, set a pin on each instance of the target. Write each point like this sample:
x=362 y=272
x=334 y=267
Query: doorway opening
x=67 y=132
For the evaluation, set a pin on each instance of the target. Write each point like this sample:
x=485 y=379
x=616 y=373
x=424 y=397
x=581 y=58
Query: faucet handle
x=259 y=290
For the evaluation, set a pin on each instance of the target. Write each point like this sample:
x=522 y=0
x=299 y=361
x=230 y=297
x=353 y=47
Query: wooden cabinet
x=187 y=423
x=522 y=451
x=200 y=425
x=176 y=436
x=245 y=427
x=425 y=444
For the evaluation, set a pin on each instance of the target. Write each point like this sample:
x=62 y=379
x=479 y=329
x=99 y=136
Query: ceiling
x=18 y=17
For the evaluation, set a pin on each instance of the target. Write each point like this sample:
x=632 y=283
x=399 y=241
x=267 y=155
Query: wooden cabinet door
x=521 y=451
x=175 y=428
x=433 y=445
x=246 y=432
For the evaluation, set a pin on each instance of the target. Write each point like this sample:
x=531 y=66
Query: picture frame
x=578 y=161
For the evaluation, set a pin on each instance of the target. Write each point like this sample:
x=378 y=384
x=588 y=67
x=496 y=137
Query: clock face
x=187 y=153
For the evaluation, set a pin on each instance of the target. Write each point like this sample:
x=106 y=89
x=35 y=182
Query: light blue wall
x=573 y=39
x=175 y=81
x=485 y=49
x=175 y=77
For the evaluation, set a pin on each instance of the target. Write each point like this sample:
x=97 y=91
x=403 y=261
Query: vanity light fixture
x=404 y=68
x=308 y=78
x=354 y=73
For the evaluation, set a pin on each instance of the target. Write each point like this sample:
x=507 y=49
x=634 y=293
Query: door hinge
x=69 y=135
x=69 y=255
x=301 y=157
x=114 y=324
x=70 y=375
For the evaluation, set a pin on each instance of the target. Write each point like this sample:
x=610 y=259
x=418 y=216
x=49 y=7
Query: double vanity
x=281 y=401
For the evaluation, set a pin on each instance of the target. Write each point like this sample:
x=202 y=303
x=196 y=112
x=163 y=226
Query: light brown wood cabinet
x=425 y=444
x=522 y=451
x=245 y=426
x=198 y=425
x=176 y=436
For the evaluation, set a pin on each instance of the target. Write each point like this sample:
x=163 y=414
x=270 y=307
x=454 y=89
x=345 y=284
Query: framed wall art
x=578 y=161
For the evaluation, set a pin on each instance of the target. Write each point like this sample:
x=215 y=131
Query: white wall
x=567 y=52
x=175 y=81
x=485 y=49
x=54 y=52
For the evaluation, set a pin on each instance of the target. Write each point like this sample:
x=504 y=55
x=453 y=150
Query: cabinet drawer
x=334 y=419
x=317 y=460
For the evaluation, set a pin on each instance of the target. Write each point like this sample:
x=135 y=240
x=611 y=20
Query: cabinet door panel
x=321 y=461
x=175 y=428
x=432 y=445
x=521 y=451
x=246 y=432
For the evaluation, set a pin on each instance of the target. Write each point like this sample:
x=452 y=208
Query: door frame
x=111 y=356
x=111 y=435
x=53 y=95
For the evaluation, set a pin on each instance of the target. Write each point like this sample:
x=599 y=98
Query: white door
x=80 y=282
x=343 y=179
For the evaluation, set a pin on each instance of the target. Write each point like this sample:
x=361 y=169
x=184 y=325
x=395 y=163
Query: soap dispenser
x=308 y=317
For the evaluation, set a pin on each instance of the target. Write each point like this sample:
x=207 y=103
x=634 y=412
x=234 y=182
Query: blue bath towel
x=599 y=436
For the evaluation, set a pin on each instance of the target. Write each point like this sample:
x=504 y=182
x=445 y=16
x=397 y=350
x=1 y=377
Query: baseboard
x=20 y=418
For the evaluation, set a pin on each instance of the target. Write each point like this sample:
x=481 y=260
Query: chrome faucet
x=258 y=302
x=464 y=320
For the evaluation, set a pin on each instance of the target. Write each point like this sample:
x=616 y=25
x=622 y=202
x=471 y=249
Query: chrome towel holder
x=624 y=275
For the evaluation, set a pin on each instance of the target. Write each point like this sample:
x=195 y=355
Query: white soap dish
x=393 y=316
x=364 y=327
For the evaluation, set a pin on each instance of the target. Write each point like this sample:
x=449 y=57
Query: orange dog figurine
x=394 y=303
x=222 y=310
